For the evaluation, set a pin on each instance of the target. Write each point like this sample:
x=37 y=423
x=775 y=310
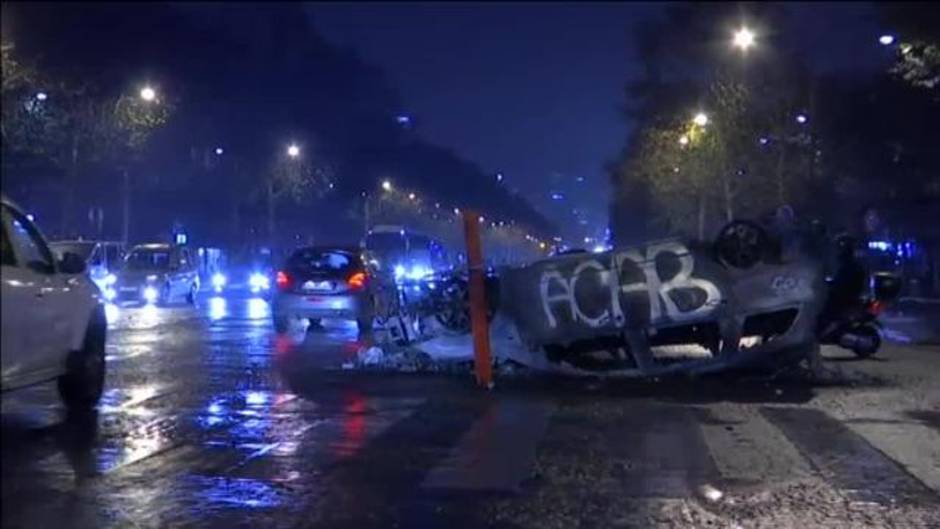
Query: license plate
x=317 y=285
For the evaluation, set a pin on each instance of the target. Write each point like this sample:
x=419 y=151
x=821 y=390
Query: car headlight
x=218 y=280
x=399 y=271
x=109 y=280
x=150 y=295
x=258 y=281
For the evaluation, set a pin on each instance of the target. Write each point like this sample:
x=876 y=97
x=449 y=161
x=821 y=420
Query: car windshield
x=79 y=248
x=148 y=260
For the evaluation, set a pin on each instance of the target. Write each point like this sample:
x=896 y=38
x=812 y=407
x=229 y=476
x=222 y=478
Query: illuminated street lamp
x=743 y=39
x=700 y=119
x=148 y=94
x=411 y=196
x=219 y=151
x=293 y=150
x=886 y=40
x=683 y=140
x=41 y=96
x=387 y=185
x=801 y=119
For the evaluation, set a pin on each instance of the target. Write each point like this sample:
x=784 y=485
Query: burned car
x=754 y=295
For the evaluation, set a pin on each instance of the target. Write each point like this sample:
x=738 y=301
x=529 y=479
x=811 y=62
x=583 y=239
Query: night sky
x=536 y=90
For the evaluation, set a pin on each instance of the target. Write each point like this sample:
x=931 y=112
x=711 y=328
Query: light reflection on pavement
x=195 y=420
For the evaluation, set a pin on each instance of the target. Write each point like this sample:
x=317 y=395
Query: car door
x=32 y=301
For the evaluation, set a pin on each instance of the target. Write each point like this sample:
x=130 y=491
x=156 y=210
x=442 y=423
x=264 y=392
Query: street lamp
x=219 y=151
x=411 y=196
x=801 y=119
x=387 y=185
x=41 y=96
x=148 y=94
x=743 y=39
x=886 y=40
x=700 y=119
x=683 y=140
x=293 y=150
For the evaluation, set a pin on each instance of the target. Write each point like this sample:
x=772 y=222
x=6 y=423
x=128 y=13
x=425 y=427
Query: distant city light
x=219 y=151
x=411 y=196
x=403 y=119
x=763 y=140
x=456 y=211
x=387 y=185
x=499 y=177
x=148 y=94
x=30 y=217
x=683 y=140
x=886 y=40
x=700 y=119
x=293 y=150
x=579 y=179
x=41 y=96
x=801 y=118
x=557 y=196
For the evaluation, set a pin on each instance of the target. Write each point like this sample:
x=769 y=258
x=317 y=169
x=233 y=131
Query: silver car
x=323 y=282
x=157 y=273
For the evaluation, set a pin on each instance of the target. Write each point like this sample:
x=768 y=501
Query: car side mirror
x=71 y=264
x=886 y=286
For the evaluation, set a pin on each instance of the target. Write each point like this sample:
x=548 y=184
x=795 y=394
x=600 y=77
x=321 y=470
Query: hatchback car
x=323 y=282
x=54 y=324
x=157 y=273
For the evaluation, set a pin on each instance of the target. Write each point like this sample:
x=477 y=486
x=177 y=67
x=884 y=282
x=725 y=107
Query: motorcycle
x=857 y=328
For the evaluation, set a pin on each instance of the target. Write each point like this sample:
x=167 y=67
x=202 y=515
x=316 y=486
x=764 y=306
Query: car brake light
x=875 y=308
x=357 y=280
x=283 y=280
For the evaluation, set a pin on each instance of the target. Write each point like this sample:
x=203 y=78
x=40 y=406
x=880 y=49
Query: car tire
x=281 y=324
x=83 y=382
x=165 y=295
x=741 y=244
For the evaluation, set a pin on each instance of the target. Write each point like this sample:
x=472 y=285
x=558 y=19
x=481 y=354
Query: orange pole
x=478 y=322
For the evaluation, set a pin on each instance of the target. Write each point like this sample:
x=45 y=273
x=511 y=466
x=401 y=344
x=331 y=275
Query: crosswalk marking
x=845 y=459
x=747 y=449
x=498 y=452
x=664 y=451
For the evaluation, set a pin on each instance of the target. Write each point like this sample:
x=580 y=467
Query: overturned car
x=753 y=296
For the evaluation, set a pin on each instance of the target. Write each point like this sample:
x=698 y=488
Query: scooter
x=857 y=328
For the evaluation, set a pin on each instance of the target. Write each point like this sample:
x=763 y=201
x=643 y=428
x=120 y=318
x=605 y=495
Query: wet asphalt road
x=210 y=420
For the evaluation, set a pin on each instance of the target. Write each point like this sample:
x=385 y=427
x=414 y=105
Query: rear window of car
x=321 y=260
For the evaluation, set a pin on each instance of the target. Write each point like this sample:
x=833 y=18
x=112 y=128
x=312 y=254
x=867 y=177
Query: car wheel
x=191 y=296
x=869 y=343
x=81 y=386
x=741 y=244
x=281 y=324
x=165 y=294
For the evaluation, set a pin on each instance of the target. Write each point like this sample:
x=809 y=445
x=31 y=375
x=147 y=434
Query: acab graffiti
x=559 y=291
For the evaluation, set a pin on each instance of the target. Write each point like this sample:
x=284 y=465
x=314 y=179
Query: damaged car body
x=671 y=306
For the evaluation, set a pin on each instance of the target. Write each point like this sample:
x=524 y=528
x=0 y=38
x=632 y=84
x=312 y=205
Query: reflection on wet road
x=209 y=419
x=195 y=409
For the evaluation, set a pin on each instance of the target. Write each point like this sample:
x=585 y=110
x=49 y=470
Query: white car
x=54 y=324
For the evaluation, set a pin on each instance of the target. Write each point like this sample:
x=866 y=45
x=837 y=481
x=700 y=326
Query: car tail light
x=357 y=281
x=283 y=280
x=876 y=307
